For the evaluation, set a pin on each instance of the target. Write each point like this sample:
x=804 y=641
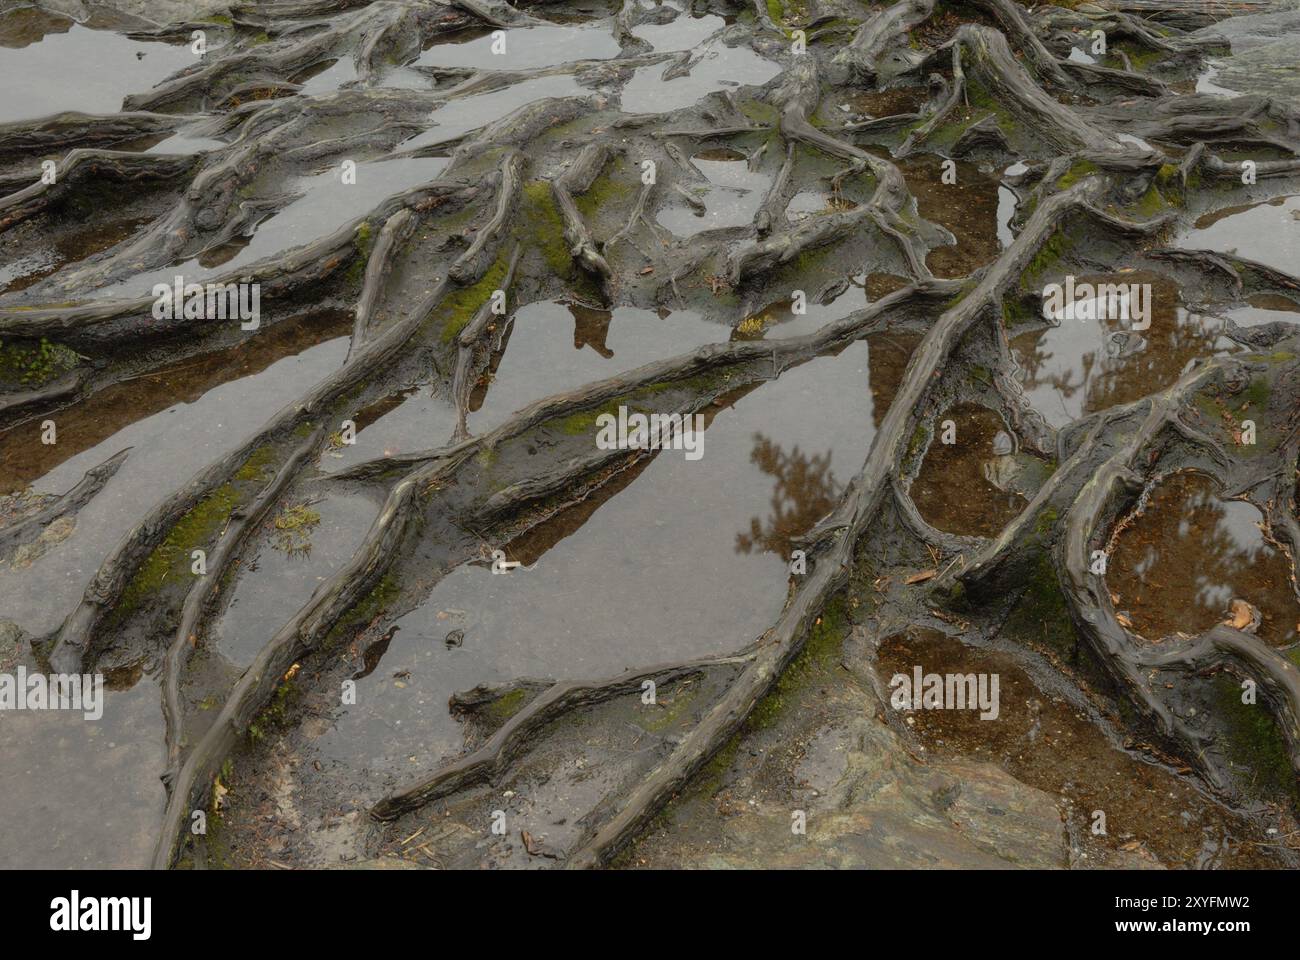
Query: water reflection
x=805 y=491
x=1189 y=554
x=1085 y=365
x=954 y=489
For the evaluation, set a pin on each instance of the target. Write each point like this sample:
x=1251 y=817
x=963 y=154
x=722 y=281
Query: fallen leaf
x=529 y=843
x=921 y=577
x=1240 y=615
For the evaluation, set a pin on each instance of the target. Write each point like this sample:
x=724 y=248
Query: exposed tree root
x=27 y=529
x=202 y=594
x=512 y=738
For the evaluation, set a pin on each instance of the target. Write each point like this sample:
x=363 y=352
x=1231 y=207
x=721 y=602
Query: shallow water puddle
x=86 y=425
x=1261 y=310
x=1085 y=365
x=554 y=345
x=734 y=197
x=70 y=247
x=690 y=557
x=1045 y=741
x=327 y=77
x=1181 y=562
x=778 y=320
x=873 y=104
x=53 y=763
x=1267 y=232
x=413 y=420
x=968 y=208
x=719 y=68
x=683 y=33
x=72 y=67
x=969 y=485
x=1205 y=83
x=807 y=203
x=1008 y=202
x=305 y=544
x=522 y=48
x=459 y=116
x=168 y=447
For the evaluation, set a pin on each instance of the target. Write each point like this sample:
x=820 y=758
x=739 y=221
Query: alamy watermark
x=57 y=691
x=655 y=431
x=76 y=913
x=1130 y=302
x=949 y=691
x=212 y=301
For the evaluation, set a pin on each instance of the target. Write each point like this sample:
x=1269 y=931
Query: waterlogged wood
x=512 y=738
x=24 y=531
x=1123 y=475
x=853 y=516
x=395 y=231
x=202 y=594
x=578 y=178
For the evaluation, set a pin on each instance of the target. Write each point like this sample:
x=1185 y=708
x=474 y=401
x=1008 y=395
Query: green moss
x=33 y=364
x=1015 y=312
x=257 y=464
x=1080 y=169
x=381 y=597
x=363 y=241
x=1046 y=521
x=666 y=713
x=1042 y=615
x=459 y=307
x=276 y=713
x=820 y=654
x=1257 y=393
x=1048 y=254
x=1254 y=740
x=575 y=424
x=364 y=238
x=759 y=112
x=605 y=193
x=918 y=438
x=584 y=421
x=293 y=529
x=171 y=558
x=1140 y=56
x=505 y=706
x=543 y=227
x=1150 y=204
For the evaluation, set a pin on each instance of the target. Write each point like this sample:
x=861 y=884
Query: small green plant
x=35 y=364
x=293 y=529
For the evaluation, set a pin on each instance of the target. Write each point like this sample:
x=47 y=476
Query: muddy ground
x=364 y=584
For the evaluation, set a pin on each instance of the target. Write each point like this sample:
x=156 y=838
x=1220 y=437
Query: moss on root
x=34 y=364
x=171 y=559
x=821 y=651
x=459 y=307
x=543 y=227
